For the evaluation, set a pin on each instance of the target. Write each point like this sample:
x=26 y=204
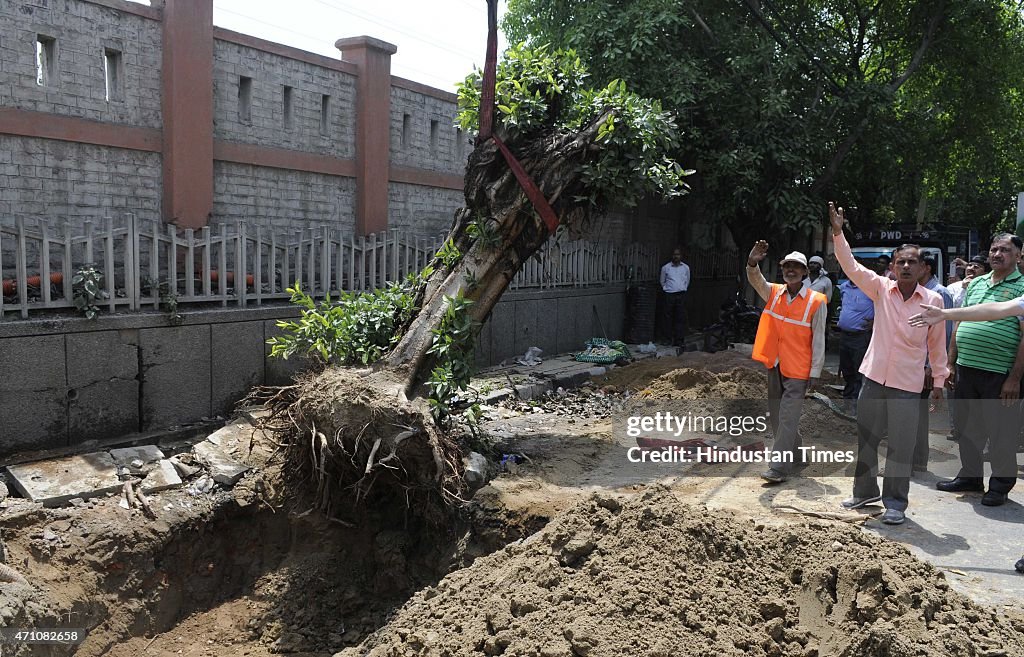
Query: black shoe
x=960 y=485
x=993 y=498
x=1020 y=566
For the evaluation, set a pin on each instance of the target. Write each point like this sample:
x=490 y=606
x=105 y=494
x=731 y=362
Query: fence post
x=22 y=267
x=257 y=275
x=241 y=262
x=129 y=261
x=44 y=263
x=222 y=266
x=190 y=263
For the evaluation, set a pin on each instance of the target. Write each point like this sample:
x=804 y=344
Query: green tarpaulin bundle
x=604 y=352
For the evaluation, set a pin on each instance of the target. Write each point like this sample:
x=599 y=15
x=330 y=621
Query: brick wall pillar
x=373 y=135
x=187 y=81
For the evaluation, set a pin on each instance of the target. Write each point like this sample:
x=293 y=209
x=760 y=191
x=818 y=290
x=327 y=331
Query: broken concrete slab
x=224 y=469
x=55 y=482
x=144 y=453
x=163 y=477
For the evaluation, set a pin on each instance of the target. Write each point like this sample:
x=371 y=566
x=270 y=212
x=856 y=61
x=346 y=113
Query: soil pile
x=739 y=390
x=653 y=576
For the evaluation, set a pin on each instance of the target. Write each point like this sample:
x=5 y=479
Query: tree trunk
x=367 y=435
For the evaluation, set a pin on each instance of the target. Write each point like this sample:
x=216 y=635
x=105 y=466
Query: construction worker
x=790 y=342
x=892 y=369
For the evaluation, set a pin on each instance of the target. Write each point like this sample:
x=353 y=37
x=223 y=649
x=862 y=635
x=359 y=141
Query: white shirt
x=675 y=278
x=957 y=291
x=821 y=284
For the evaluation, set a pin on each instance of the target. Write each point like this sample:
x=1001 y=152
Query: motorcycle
x=737 y=322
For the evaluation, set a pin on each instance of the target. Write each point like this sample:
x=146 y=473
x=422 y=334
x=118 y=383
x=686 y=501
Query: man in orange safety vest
x=790 y=342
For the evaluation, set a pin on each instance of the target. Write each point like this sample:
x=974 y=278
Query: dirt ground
x=569 y=550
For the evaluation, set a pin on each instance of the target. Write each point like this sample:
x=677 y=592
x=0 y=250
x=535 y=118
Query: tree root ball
x=361 y=445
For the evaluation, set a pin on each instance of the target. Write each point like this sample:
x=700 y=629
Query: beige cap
x=796 y=257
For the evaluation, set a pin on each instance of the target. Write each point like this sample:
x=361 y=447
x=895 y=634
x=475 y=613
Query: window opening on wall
x=46 y=60
x=434 y=128
x=286 y=106
x=244 y=99
x=112 y=73
x=325 y=114
x=406 y=129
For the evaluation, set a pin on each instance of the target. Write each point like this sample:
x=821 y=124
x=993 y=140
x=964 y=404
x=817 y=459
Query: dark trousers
x=673 y=317
x=921 y=445
x=785 y=401
x=982 y=418
x=852 y=347
x=885 y=411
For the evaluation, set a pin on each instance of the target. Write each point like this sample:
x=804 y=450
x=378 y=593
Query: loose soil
x=569 y=551
x=652 y=575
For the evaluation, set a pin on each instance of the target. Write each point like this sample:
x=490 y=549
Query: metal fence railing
x=144 y=262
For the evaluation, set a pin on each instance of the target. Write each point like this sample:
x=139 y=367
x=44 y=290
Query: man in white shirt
x=817 y=278
x=675 y=281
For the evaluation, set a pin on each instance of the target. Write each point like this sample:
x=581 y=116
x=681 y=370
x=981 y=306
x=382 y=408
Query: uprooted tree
x=378 y=434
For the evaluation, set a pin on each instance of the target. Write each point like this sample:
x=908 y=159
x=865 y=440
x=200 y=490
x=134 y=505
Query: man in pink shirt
x=892 y=367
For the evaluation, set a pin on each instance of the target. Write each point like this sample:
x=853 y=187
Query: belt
x=854 y=332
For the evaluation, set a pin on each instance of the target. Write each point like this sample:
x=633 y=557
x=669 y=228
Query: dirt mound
x=656 y=577
x=694 y=384
x=639 y=374
x=741 y=389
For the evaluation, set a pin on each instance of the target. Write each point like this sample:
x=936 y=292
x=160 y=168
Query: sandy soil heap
x=654 y=576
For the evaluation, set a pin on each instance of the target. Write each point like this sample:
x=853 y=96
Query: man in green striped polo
x=989 y=359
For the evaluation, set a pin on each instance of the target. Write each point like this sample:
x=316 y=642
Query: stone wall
x=67 y=381
x=61 y=179
x=280 y=198
x=81 y=33
x=270 y=73
x=423 y=132
x=425 y=211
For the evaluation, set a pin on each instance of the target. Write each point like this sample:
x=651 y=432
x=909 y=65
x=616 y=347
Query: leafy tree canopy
x=907 y=109
x=543 y=93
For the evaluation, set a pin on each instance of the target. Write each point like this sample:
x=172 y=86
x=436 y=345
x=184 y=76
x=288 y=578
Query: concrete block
x=103 y=409
x=31 y=420
x=164 y=477
x=102 y=356
x=32 y=363
x=224 y=469
x=175 y=375
x=144 y=453
x=238 y=362
x=546 y=335
x=54 y=482
x=502 y=322
x=527 y=330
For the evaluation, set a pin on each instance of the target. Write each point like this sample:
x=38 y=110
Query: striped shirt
x=990 y=346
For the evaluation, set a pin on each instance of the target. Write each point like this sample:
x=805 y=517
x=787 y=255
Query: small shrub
x=357 y=329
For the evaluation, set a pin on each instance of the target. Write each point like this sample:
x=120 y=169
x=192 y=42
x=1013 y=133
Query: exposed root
x=357 y=445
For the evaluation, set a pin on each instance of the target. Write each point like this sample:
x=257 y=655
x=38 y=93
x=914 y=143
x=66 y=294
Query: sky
x=439 y=41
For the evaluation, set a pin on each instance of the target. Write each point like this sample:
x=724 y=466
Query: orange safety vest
x=784 y=332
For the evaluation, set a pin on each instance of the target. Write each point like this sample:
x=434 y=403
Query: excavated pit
x=539 y=567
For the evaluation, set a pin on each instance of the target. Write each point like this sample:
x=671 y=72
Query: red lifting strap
x=490 y=66
x=540 y=204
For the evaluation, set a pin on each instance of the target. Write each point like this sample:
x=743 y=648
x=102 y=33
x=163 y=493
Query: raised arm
x=754 y=275
x=868 y=281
